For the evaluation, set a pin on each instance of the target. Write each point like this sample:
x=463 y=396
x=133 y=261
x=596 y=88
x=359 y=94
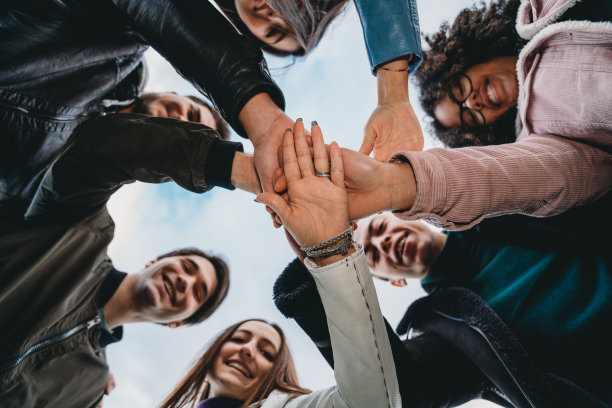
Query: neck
x=123 y=308
x=127 y=109
x=438 y=242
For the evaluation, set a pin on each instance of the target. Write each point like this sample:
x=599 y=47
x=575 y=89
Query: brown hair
x=220 y=123
x=193 y=388
x=309 y=20
x=222 y=274
x=477 y=35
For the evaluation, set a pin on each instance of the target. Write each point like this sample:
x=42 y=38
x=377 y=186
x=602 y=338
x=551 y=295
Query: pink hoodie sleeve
x=540 y=176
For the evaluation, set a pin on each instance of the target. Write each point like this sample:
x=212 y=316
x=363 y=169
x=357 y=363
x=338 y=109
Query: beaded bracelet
x=338 y=244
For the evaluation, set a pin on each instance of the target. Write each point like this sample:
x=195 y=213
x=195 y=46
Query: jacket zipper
x=32 y=112
x=49 y=341
x=484 y=336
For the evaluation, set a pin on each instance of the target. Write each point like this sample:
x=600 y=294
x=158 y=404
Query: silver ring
x=322 y=174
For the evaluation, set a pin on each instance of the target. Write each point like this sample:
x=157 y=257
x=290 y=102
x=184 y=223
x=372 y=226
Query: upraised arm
x=316 y=215
x=391 y=32
x=104 y=153
x=206 y=50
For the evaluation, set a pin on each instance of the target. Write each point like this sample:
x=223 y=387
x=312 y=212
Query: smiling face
x=397 y=249
x=175 y=106
x=171 y=289
x=493 y=91
x=266 y=25
x=244 y=361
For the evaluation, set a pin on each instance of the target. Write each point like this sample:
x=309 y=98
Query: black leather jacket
x=63 y=61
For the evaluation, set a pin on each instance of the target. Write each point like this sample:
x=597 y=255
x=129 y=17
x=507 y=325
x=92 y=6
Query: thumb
x=383 y=153
x=276 y=202
x=368 y=141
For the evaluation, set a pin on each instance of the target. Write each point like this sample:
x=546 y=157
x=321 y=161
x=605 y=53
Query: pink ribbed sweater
x=563 y=154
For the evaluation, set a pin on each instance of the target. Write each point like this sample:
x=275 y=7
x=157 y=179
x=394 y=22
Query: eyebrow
x=262 y=339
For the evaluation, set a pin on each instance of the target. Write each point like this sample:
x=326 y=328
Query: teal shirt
x=558 y=302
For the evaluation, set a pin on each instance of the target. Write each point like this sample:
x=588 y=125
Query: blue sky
x=334 y=86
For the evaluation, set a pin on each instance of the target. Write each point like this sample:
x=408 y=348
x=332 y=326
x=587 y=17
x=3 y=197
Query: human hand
x=264 y=123
x=371 y=186
x=393 y=126
x=317 y=208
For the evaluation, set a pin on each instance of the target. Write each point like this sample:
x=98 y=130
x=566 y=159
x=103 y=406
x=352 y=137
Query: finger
x=337 y=167
x=290 y=163
x=368 y=142
x=279 y=153
x=276 y=202
x=279 y=181
x=302 y=150
x=321 y=158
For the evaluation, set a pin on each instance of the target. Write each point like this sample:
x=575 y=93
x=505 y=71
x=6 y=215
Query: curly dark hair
x=477 y=35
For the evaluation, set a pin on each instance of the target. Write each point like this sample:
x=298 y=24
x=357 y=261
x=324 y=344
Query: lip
x=259 y=5
x=484 y=94
x=243 y=370
x=410 y=249
x=170 y=288
x=400 y=248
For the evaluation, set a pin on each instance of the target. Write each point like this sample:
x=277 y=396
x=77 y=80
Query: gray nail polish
x=298 y=120
x=288 y=130
x=314 y=123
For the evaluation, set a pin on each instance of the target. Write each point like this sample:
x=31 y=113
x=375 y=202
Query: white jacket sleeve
x=363 y=363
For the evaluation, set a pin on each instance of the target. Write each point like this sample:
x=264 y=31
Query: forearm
x=391 y=31
x=206 y=50
x=358 y=333
x=107 y=152
x=538 y=176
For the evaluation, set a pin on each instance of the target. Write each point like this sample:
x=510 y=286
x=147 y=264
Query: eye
x=237 y=339
x=375 y=256
x=273 y=31
x=267 y=355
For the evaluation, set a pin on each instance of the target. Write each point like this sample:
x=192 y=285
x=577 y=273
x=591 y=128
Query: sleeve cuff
x=218 y=167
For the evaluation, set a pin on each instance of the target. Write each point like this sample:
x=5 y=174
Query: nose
x=473 y=101
x=384 y=243
x=246 y=351
x=183 y=282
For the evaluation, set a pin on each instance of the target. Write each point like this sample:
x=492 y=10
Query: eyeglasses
x=459 y=90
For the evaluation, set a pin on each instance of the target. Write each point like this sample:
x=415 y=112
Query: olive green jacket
x=53 y=262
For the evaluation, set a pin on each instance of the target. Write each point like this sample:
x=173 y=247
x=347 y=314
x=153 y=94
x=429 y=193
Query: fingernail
x=256 y=200
x=314 y=123
x=288 y=130
x=298 y=120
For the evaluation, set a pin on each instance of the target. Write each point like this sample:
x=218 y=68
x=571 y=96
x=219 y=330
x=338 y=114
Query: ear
x=174 y=325
x=354 y=225
x=151 y=262
x=400 y=283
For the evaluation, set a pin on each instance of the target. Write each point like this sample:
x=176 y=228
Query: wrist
x=402 y=186
x=257 y=115
x=334 y=258
x=392 y=79
x=243 y=175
